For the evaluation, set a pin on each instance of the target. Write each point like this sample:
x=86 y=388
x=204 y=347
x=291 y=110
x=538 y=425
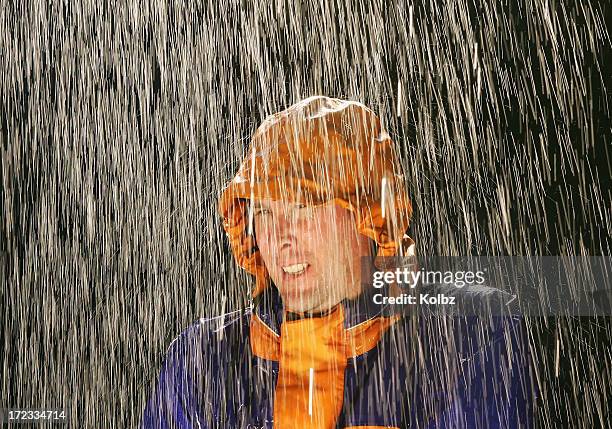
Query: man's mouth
x=295 y=269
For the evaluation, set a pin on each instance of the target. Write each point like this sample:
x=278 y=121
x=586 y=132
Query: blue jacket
x=455 y=366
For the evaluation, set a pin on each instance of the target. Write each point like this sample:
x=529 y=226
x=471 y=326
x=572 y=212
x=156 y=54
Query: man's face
x=313 y=253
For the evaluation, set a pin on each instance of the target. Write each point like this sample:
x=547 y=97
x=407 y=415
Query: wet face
x=313 y=253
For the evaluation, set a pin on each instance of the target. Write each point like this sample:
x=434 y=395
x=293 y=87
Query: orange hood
x=320 y=149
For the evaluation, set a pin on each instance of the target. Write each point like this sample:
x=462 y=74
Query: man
x=317 y=204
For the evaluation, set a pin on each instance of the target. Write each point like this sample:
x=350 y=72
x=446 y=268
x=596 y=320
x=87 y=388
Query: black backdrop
x=120 y=124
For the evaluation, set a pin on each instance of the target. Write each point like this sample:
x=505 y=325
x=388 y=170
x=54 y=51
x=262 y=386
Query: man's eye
x=261 y=212
x=305 y=211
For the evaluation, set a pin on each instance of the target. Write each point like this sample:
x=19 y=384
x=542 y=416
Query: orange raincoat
x=360 y=364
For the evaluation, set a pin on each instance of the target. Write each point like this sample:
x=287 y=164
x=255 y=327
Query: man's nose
x=284 y=226
x=284 y=223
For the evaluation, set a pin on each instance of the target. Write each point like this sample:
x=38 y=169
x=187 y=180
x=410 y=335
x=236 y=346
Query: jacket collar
x=268 y=306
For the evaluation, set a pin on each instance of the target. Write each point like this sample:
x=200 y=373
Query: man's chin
x=298 y=299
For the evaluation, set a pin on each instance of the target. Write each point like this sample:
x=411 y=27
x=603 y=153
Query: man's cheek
x=264 y=251
x=311 y=229
x=310 y=239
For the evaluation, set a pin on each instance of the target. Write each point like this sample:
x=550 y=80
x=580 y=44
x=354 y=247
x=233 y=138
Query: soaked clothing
x=358 y=365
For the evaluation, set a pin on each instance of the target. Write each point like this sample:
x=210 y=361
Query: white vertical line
x=557 y=359
x=251 y=213
x=252 y=192
x=252 y=168
x=222 y=319
x=310 y=389
x=411 y=22
x=383 y=195
x=399 y=98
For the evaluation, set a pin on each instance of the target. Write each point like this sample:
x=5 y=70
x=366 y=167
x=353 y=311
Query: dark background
x=120 y=123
